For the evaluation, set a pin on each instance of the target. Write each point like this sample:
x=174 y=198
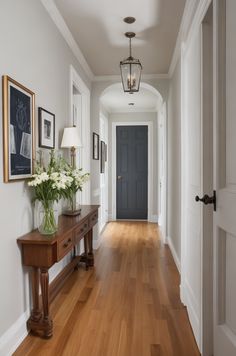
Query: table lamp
x=71 y=139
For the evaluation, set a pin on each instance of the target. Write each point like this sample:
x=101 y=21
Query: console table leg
x=47 y=321
x=36 y=312
x=90 y=248
x=86 y=251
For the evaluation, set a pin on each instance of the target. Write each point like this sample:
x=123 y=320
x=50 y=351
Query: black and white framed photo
x=46 y=128
x=103 y=153
x=95 y=146
x=18 y=130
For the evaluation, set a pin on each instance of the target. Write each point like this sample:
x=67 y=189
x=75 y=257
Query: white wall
x=174 y=163
x=34 y=53
x=134 y=117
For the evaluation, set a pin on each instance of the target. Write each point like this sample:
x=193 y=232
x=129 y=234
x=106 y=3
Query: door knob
x=207 y=200
x=119 y=177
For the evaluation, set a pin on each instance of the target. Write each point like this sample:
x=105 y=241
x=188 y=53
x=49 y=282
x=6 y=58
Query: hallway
x=128 y=305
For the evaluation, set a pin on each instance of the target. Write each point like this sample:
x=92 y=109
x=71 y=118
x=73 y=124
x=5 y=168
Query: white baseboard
x=153 y=219
x=174 y=253
x=187 y=300
x=96 y=244
x=182 y=294
x=14 y=336
x=162 y=233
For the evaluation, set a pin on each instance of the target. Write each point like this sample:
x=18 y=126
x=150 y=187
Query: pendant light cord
x=130 y=54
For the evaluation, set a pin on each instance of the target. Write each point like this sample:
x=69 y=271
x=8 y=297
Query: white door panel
x=191 y=269
x=225 y=177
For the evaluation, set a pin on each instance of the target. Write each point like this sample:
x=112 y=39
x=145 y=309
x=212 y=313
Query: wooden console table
x=42 y=252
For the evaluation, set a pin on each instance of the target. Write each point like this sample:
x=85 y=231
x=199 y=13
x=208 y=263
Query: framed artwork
x=18 y=130
x=95 y=146
x=46 y=128
x=102 y=157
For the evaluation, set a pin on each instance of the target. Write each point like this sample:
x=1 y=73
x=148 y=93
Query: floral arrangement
x=77 y=179
x=49 y=184
x=58 y=180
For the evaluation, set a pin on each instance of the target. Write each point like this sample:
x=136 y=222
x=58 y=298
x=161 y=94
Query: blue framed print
x=18 y=130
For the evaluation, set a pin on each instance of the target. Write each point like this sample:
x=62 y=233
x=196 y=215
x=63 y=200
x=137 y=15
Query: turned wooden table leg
x=86 y=251
x=47 y=321
x=36 y=312
x=90 y=248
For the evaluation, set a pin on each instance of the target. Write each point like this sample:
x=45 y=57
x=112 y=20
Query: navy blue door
x=132 y=172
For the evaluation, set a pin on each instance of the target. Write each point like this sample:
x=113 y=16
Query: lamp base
x=72 y=212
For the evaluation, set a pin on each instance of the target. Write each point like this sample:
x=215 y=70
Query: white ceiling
x=115 y=100
x=98 y=28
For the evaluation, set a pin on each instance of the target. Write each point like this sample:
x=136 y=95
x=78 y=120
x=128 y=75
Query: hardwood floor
x=128 y=305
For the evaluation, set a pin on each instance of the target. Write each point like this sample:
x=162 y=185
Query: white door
x=225 y=182
x=197 y=180
x=192 y=184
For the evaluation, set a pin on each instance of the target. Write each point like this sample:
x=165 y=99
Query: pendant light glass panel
x=130 y=74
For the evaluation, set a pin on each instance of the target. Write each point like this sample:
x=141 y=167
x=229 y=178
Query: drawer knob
x=66 y=244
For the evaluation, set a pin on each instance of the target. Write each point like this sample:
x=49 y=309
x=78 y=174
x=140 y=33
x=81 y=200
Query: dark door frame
x=149 y=124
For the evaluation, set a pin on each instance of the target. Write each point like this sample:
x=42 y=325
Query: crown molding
x=64 y=30
x=116 y=78
x=187 y=17
x=200 y=12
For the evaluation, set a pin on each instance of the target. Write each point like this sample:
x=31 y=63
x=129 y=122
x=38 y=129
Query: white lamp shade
x=70 y=138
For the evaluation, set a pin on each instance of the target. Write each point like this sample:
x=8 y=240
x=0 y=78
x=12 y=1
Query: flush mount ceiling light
x=129 y=19
x=130 y=69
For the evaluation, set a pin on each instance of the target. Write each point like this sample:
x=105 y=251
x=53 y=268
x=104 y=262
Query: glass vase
x=48 y=218
x=72 y=207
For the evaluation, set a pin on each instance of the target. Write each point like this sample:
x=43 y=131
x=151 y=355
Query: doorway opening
x=140 y=109
x=80 y=117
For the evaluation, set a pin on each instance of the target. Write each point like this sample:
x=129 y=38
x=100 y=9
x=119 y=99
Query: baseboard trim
x=153 y=219
x=174 y=253
x=18 y=331
x=97 y=243
x=14 y=336
x=60 y=279
x=194 y=321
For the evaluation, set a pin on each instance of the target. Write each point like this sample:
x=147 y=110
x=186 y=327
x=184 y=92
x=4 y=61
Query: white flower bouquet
x=77 y=180
x=49 y=186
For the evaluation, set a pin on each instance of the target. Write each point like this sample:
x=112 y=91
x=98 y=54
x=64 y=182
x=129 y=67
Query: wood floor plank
x=127 y=305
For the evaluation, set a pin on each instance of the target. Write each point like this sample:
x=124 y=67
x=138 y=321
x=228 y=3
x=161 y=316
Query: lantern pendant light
x=130 y=69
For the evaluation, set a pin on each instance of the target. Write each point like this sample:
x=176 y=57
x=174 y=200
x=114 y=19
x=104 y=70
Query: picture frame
x=95 y=146
x=102 y=170
x=18 y=130
x=46 y=127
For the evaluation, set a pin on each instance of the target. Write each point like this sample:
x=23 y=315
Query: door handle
x=119 y=177
x=207 y=200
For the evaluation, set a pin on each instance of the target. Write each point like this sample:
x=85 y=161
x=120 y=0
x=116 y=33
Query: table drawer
x=81 y=230
x=65 y=245
x=93 y=219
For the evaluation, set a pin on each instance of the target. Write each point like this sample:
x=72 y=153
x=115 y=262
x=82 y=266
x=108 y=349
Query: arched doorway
x=115 y=102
